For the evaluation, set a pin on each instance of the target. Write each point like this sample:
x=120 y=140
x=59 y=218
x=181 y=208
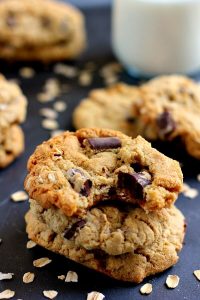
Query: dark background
x=13 y=254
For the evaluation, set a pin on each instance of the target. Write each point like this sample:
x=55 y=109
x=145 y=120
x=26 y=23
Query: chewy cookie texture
x=123 y=242
x=12 y=112
x=75 y=171
x=44 y=30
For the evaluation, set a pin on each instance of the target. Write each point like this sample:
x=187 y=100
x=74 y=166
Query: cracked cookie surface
x=122 y=241
x=11 y=144
x=108 y=108
x=75 y=171
x=12 y=103
x=55 y=30
x=168 y=109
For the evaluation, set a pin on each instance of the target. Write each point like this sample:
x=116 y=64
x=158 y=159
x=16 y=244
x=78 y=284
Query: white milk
x=152 y=37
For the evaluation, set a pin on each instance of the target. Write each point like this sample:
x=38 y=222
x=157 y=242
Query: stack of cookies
x=165 y=108
x=12 y=112
x=105 y=200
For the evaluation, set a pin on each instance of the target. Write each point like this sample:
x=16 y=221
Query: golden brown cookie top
x=12 y=103
x=77 y=170
x=170 y=108
x=108 y=108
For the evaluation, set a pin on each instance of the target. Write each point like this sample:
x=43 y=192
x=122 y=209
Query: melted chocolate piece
x=165 y=124
x=101 y=143
x=78 y=225
x=134 y=183
x=86 y=185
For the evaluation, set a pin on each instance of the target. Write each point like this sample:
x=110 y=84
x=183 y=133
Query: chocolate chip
x=11 y=20
x=130 y=119
x=166 y=124
x=101 y=143
x=82 y=184
x=134 y=182
x=137 y=167
x=78 y=225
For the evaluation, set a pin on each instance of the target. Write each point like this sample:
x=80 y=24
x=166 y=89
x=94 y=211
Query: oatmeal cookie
x=168 y=109
x=123 y=242
x=76 y=170
x=40 y=30
x=108 y=108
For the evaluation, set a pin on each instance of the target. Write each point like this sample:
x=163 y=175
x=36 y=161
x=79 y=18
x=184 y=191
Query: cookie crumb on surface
x=95 y=296
x=28 y=277
x=71 y=277
x=85 y=78
x=50 y=124
x=26 y=72
x=48 y=113
x=197 y=274
x=19 y=196
x=172 y=281
x=60 y=106
x=51 y=294
x=30 y=244
x=5 y=276
x=61 y=277
x=41 y=262
x=51 y=90
x=146 y=289
x=189 y=192
x=7 y=294
x=65 y=70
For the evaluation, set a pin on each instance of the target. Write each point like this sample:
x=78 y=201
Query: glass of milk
x=152 y=37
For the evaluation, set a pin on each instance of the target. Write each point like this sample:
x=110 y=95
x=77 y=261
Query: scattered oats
x=30 y=244
x=60 y=106
x=146 y=289
x=198 y=177
x=19 y=196
x=189 y=192
x=95 y=296
x=52 y=89
x=50 y=124
x=28 y=277
x=56 y=132
x=61 y=277
x=41 y=262
x=5 y=276
x=50 y=294
x=26 y=72
x=71 y=277
x=197 y=274
x=172 y=281
x=52 y=177
x=7 y=294
x=65 y=70
x=109 y=80
x=48 y=113
x=85 y=78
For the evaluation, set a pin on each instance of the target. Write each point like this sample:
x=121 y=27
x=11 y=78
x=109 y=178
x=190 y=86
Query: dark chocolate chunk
x=86 y=183
x=78 y=225
x=134 y=183
x=166 y=124
x=130 y=119
x=137 y=167
x=101 y=143
x=11 y=20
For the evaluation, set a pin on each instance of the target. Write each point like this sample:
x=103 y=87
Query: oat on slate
x=65 y=70
x=71 y=277
x=5 y=276
x=28 y=277
x=172 y=281
x=51 y=294
x=50 y=124
x=189 y=192
x=30 y=244
x=19 y=196
x=60 y=106
x=146 y=289
x=48 y=113
x=7 y=294
x=61 y=277
x=95 y=296
x=27 y=72
x=197 y=274
x=41 y=262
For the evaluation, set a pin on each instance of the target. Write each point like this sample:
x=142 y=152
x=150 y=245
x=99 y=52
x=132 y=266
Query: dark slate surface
x=13 y=254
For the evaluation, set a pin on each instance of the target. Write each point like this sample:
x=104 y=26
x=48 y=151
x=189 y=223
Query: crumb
x=28 y=277
x=197 y=274
x=26 y=72
x=189 y=192
x=65 y=70
x=7 y=294
x=30 y=244
x=146 y=289
x=56 y=132
x=71 y=277
x=5 y=276
x=85 y=78
x=60 y=106
x=48 y=113
x=95 y=296
x=61 y=277
x=50 y=124
x=51 y=294
x=52 y=89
